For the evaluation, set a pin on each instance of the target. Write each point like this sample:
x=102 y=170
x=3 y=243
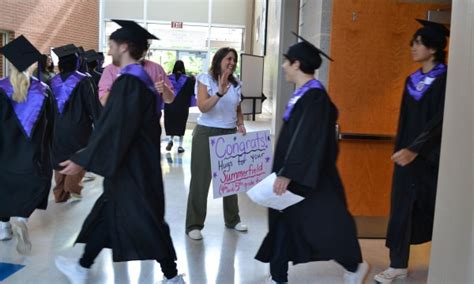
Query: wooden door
x=370 y=44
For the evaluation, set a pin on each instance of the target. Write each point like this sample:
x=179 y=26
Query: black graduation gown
x=125 y=149
x=25 y=162
x=176 y=113
x=320 y=227
x=74 y=125
x=414 y=186
x=95 y=76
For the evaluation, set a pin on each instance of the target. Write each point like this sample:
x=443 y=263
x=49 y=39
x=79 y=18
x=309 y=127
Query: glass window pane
x=166 y=58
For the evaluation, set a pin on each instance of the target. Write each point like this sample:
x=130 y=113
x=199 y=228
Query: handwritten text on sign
x=238 y=162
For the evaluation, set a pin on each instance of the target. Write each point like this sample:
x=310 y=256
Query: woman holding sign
x=218 y=99
x=320 y=227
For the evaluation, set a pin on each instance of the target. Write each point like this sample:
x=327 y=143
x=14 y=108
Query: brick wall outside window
x=52 y=23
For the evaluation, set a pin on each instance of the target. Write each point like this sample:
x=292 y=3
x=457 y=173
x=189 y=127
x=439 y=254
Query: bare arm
x=104 y=97
x=206 y=102
x=166 y=91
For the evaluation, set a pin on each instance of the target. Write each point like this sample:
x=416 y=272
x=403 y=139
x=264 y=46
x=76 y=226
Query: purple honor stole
x=179 y=84
x=138 y=71
x=27 y=112
x=419 y=83
x=311 y=84
x=62 y=90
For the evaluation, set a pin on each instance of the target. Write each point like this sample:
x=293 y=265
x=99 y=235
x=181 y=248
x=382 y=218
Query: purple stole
x=27 y=112
x=62 y=90
x=419 y=83
x=311 y=84
x=138 y=71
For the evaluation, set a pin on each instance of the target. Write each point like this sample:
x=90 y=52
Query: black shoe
x=169 y=146
x=180 y=149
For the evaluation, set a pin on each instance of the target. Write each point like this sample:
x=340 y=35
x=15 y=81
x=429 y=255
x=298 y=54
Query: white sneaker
x=178 y=279
x=391 y=274
x=241 y=227
x=358 y=276
x=75 y=273
x=20 y=229
x=6 y=232
x=195 y=235
x=75 y=197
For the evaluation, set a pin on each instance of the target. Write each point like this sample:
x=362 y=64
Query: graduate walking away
x=417 y=150
x=125 y=148
x=77 y=108
x=320 y=227
x=176 y=113
x=26 y=121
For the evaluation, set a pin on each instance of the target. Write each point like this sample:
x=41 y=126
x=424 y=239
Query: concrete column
x=452 y=251
x=282 y=20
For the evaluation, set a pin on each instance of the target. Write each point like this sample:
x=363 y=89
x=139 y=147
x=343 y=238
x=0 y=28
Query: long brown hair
x=21 y=83
x=215 y=69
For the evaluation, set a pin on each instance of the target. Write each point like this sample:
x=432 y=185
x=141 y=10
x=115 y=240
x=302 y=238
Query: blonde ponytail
x=21 y=83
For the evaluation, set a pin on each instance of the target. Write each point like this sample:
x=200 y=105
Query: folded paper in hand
x=263 y=194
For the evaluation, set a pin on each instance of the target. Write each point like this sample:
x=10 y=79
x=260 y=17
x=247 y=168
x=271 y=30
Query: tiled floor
x=224 y=256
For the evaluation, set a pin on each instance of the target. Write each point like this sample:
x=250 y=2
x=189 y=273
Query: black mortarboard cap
x=439 y=29
x=91 y=55
x=131 y=31
x=306 y=52
x=81 y=50
x=66 y=50
x=21 y=53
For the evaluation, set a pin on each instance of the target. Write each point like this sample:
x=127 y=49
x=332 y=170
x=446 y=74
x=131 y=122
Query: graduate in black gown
x=417 y=150
x=92 y=60
x=77 y=107
x=125 y=149
x=26 y=120
x=320 y=227
x=176 y=113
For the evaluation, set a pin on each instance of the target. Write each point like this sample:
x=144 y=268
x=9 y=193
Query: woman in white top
x=218 y=99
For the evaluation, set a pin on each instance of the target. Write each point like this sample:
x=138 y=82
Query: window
x=189 y=44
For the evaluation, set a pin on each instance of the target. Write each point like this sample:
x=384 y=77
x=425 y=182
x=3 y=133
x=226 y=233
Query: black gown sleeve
x=117 y=128
x=306 y=153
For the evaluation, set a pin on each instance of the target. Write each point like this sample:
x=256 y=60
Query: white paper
x=263 y=194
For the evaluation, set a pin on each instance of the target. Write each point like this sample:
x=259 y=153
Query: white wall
x=194 y=11
x=452 y=250
x=315 y=26
x=123 y=9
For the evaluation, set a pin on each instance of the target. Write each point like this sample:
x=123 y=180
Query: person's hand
x=224 y=84
x=404 y=157
x=70 y=168
x=162 y=87
x=280 y=185
x=241 y=129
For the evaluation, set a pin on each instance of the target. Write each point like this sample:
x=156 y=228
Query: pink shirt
x=154 y=70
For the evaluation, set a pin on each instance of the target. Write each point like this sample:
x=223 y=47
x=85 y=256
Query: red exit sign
x=176 y=25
